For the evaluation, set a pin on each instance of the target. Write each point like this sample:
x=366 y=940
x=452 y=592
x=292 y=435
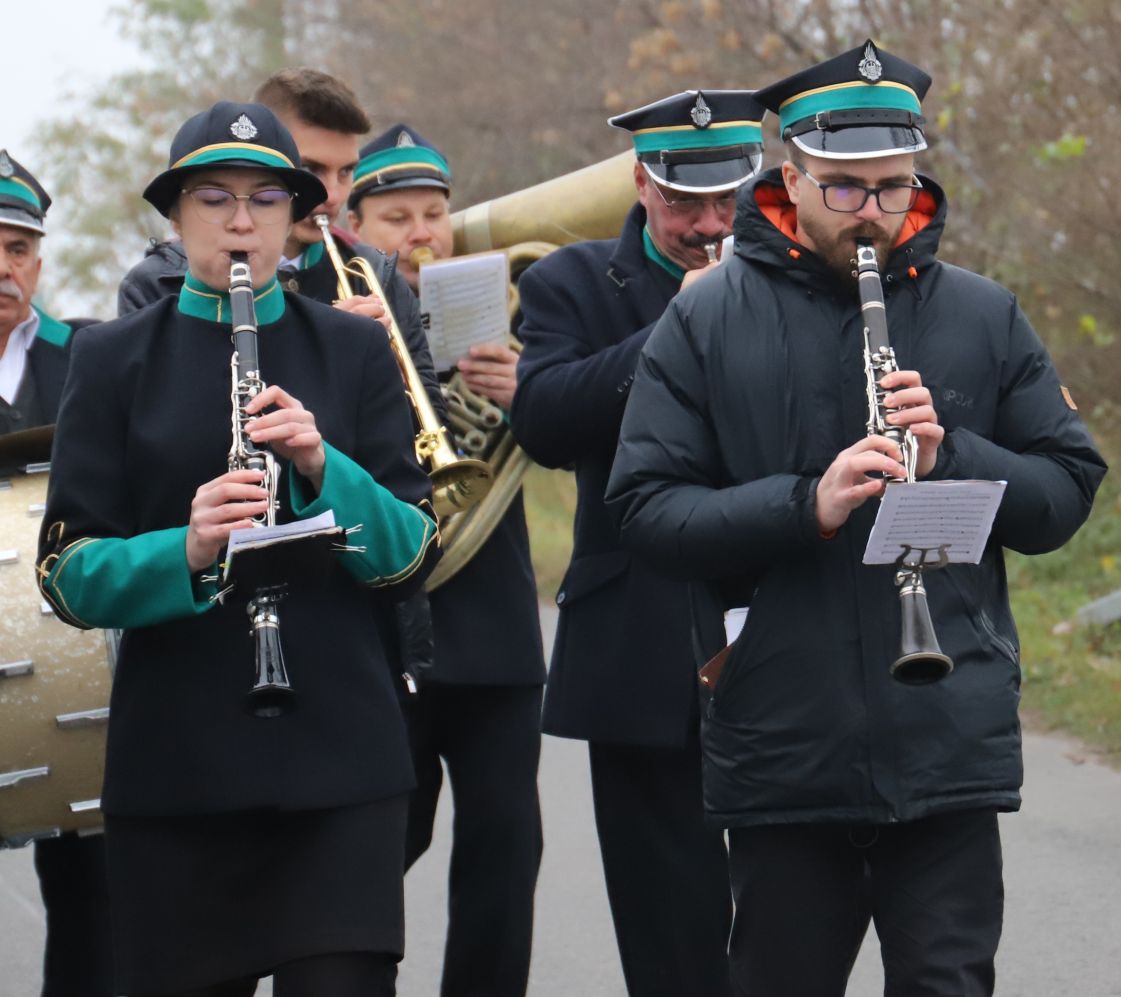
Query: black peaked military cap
x=858 y=105
x=698 y=140
x=399 y=157
x=23 y=202
x=236 y=135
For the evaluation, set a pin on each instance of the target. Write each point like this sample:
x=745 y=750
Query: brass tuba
x=590 y=203
x=457 y=482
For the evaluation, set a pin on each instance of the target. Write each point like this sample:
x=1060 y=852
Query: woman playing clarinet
x=242 y=843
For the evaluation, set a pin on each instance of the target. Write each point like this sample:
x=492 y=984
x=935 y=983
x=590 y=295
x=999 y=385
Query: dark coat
x=145 y=419
x=750 y=386
x=47 y=362
x=622 y=668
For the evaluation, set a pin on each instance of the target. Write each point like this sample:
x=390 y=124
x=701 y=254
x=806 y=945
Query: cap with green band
x=23 y=202
x=399 y=157
x=247 y=136
x=858 y=105
x=698 y=140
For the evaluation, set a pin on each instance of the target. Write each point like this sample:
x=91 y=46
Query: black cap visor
x=861 y=142
x=703 y=177
x=307 y=189
x=399 y=182
x=16 y=214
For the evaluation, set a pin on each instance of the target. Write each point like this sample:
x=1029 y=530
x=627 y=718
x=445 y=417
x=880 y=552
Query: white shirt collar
x=14 y=359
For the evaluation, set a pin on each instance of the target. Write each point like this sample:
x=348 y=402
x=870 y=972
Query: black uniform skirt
x=198 y=900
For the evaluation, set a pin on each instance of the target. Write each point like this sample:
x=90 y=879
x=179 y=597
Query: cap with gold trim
x=859 y=105
x=698 y=140
x=23 y=202
x=399 y=157
x=236 y=135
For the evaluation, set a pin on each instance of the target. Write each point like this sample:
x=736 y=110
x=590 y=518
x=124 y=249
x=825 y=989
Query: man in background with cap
x=34 y=356
x=479 y=707
x=622 y=674
x=745 y=464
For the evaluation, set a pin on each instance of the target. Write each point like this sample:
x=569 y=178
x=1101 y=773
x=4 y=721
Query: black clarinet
x=921 y=660
x=271 y=694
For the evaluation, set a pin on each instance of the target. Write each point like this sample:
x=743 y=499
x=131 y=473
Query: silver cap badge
x=405 y=141
x=701 y=112
x=243 y=129
x=7 y=168
x=870 y=66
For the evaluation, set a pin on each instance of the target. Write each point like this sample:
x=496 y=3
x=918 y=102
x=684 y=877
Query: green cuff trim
x=52 y=330
x=848 y=96
x=396 y=535
x=655 y=254
x=201 y=301
x=687 y=137
x=117 y=583
x=14 y=187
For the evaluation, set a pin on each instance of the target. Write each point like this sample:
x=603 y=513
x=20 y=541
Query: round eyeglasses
x=216 y=206
x=694 y=207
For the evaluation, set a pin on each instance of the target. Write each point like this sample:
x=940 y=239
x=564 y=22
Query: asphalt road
x=1062 y=933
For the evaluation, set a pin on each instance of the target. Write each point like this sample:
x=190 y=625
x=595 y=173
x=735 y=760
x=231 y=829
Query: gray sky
x=51 y=49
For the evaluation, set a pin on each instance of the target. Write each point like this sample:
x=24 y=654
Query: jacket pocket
x=591 y=571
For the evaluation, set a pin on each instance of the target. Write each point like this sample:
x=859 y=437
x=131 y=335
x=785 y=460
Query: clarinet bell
x=921 y=660
x=271 y=695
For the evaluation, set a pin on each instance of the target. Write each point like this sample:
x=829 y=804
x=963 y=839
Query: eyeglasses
x=892 y=198
x=217 y=206
x=694 y=207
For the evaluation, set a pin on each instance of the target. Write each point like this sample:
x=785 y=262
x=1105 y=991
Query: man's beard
x=838 y=249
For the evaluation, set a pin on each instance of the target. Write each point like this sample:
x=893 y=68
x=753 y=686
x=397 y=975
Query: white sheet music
x=462 y=303
x=250 y=537
x=930 y=514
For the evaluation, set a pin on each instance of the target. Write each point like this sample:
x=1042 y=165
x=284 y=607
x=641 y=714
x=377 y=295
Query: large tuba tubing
x=590 y=203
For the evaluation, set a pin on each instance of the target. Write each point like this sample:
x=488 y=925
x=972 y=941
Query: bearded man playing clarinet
x=745 y=464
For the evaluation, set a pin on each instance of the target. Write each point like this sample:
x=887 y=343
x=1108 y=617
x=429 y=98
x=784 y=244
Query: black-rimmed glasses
x=216 y=206
x=892 y=198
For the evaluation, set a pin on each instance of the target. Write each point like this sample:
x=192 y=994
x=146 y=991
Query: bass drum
x=54 y=685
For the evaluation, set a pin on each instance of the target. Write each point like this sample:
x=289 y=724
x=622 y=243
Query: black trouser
x=490 y=739
x=341 y=974
x=666 y=872
x=78 y=959
x=934 y=888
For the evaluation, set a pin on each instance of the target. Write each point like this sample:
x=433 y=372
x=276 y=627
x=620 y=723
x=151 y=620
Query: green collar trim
x=52 y=330
x=655 y=254
x=17 y=188
x=200 y=301
x=313 y=253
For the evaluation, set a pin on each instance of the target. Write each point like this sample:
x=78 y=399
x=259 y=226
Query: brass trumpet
x=457 y=482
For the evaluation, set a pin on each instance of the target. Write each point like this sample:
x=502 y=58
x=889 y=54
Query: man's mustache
x=11 y=289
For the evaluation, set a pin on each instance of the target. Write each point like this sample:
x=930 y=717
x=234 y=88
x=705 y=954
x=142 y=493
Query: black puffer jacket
x=748 y=388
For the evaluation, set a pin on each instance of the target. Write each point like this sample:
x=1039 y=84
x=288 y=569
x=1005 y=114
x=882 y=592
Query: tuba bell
x=590 y=203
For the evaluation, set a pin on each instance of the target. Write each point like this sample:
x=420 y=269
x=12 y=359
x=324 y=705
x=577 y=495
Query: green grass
x=1072 y=674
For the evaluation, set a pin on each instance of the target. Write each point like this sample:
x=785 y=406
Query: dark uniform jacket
x=485 y=617
x=748 y=389
x=145 y=420
x=622 y=668
x=36 y=402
